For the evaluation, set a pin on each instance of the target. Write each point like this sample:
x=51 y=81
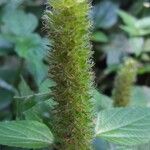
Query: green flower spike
x=70 y=67
x=124 y=82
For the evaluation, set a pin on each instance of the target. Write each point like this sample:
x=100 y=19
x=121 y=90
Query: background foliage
x=121 y=30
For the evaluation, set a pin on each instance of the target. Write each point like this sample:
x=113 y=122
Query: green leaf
x=147 y=45
x=136 y=45
x=46 y=85
x=130 y=30
x=19 y=23
x=35 y=47
x=135 y=31
x=38 y=69
x=144 y=69
x=123 y=147
x=12 y=5
x=143 y=23
x=33 y=114
x=31 y=100
x=101 y=101
x=138 y=147
x=125 y=126
x=27 y=45
x=41 y=111
x=145 y=146
x=24 y=89
x=142 y=147
x=18 y=28
x=127 y=18
x=135 y=27
x=105 y=14
x=25 y=134
x=116 y=49
x=99 y=37
x=140 y=96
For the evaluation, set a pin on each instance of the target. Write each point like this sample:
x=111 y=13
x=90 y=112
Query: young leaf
x=31 y=100
x=20 y=23
x=25 y=134
x=135 y=27
x=40 y=111
x=135 y=31
x=126 y=126
x=99 y=36
x=127 y=18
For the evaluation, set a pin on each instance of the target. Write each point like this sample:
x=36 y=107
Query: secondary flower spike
x=124 y=83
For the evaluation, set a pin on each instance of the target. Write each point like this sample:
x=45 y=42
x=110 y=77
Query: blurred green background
x=121 y=29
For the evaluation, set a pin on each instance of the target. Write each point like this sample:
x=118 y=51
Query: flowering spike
x=70 y=67
x=124 y=82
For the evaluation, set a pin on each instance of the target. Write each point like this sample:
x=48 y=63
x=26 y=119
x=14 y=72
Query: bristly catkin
x=124 y=83
x=70 y=67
